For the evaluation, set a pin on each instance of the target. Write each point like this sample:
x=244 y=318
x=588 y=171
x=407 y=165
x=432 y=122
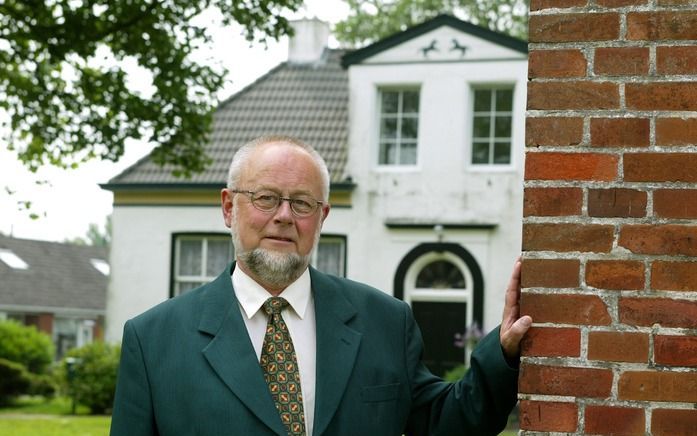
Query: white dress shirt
x=300 y=319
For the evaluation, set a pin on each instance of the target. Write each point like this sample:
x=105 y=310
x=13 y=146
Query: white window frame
x=401 y=89
x=332 y=239
x=178 y=278
x=490 y=165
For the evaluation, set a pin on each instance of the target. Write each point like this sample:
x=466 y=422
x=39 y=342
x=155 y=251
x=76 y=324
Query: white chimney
x=309 y=41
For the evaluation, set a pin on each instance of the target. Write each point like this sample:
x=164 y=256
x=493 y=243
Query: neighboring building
x=423 y=133
x=59 y=288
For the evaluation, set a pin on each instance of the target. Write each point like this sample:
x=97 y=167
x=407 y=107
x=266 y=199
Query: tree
x=95 y=236
x=371 y=20
x=65 y=88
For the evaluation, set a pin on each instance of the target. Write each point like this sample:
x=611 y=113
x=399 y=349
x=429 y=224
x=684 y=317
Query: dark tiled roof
x=59 y=275
x=307 y=101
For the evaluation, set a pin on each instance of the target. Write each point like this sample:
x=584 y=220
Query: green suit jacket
x=188 y=368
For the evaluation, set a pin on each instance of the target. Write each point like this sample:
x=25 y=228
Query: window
x=491 y=126
x=12 y=260
x=330 y=255
x=199 y=259
x=399 y=126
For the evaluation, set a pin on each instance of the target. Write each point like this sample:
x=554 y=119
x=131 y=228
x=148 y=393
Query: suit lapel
x=230 y=352
x=337 y=348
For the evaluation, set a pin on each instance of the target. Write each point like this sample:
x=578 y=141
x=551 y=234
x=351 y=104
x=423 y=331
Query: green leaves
x=68 y=92
x=371 y=20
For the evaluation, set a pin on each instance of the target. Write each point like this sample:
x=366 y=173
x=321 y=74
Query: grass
x=30 y=416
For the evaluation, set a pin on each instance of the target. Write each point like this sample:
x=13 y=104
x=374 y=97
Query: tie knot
x=275 y=305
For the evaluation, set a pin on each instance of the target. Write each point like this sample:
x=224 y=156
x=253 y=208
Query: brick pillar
x=610 y=219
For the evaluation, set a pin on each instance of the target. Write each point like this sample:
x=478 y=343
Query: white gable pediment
x=444 y=44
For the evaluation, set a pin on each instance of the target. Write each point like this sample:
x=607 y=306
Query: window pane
x=407 y=154
x=502 y=152
x=482 y=100
x=410 y=127
x=390 y=102
x=388 y=128
x=502 y=129
x=190 y=257
x=410 y=101
x=387 y=153
x=187 y=286
x=330 y=257
x=481 y=127
x=218 y=256
x=440 y=274
x=480 y=153
x=504 y=100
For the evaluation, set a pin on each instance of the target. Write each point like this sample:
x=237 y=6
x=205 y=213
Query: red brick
x=657 y=26
x=620 y=3
x=548 y=416
x=658 y=386
x=676 y=60
x=594 y=238
x=552 y=201
x=556 y=63
x=571 y=166
x=618 y=347
x=555 y=131
x=574 y=27
x=565 y=309
x=577 y=382
x=670 y=239
x=573 y=95
x=675 y=203
x=537 y=5
x=616 y=202
x=674 y=276
x=663 y=311
x=620 y=132
x=668 y=96
x=674 y=422
x=660 y=167
x=676 y=131
x=616 y=421
x=615 y=274
x=675 y=351
x=621 y=61
x=550 y=273
x=552 y=342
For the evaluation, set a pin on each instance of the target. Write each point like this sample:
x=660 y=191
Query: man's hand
x=513 y=326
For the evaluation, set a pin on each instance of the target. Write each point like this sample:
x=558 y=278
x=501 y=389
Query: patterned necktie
x=280 y=367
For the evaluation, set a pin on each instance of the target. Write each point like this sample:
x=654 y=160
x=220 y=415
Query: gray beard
x=275 y=269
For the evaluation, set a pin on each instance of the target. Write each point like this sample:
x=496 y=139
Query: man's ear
x=226 y=205
x=325 y=212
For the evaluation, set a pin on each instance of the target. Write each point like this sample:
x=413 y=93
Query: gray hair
x=241 y=158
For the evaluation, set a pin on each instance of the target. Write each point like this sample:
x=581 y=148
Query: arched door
x=443 y=285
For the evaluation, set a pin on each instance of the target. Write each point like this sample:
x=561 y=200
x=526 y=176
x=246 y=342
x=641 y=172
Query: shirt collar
x=251 y=295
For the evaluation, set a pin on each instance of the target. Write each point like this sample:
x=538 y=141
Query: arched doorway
x=444 y=286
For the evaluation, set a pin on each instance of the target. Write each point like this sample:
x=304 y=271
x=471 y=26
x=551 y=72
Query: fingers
x=510 y=309
x=510 y=339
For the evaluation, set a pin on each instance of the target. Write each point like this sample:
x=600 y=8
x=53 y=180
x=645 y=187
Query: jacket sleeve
x=133 y=411
x=478 y=404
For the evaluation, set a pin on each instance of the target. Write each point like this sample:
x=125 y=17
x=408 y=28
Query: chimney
x=309 y=41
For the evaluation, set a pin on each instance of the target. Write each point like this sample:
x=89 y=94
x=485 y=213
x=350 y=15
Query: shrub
x=25 y=345
x=93 y=378
x=14 y=380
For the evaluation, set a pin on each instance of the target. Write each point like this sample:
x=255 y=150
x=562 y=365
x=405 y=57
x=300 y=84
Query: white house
x=423 y=133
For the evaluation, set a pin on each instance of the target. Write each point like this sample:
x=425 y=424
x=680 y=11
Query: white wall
x=443 y=187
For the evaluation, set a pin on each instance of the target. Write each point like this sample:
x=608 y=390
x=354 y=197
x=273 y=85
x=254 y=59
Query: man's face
x=288 y=171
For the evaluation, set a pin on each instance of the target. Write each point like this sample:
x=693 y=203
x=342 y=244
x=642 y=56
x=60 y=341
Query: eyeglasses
x=269 y=201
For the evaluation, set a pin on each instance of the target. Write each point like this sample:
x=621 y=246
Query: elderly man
x=275 y=347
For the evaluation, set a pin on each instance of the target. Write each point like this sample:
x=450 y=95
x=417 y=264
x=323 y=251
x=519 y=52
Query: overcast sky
x=72 y=199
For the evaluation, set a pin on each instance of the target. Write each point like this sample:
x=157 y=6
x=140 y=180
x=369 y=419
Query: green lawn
x=51 y=425
x=31 y=416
